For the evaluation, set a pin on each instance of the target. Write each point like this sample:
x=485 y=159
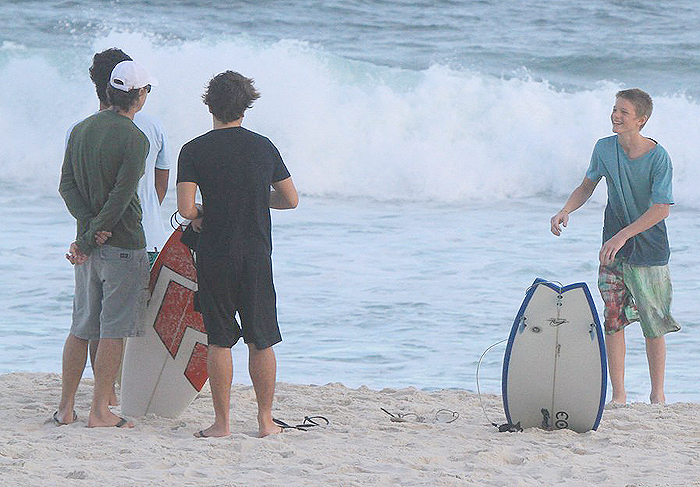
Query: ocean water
x=430 y=141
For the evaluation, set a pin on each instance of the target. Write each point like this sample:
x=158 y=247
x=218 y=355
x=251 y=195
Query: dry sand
x=635 y=445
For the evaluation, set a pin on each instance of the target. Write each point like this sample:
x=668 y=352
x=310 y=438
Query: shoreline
x=360 y=447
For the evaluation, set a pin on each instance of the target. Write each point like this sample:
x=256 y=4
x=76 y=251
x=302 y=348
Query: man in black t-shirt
x=234 y=169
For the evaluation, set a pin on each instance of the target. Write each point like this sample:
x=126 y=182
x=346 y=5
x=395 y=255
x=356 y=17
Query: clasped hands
x=76 y=257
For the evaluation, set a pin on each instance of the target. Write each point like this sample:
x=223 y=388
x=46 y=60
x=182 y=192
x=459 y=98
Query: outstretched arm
x=649 y=218
x=284 y=196
x=577 y=198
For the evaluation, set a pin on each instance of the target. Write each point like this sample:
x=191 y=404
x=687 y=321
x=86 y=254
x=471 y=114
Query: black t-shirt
x=234 y=169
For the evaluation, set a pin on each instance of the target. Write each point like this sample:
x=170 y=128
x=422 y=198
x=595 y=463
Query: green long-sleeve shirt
x=104 y=160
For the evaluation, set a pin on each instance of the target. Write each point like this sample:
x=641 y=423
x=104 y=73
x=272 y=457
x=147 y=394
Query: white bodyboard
x=554 y=369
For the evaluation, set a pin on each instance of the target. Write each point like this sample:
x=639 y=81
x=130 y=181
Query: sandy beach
x=635 y=445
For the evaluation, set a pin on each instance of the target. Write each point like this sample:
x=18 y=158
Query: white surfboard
x=554 y=369
x=164 y=370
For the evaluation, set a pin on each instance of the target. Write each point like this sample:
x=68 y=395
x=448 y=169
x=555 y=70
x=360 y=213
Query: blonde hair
x=641 y=101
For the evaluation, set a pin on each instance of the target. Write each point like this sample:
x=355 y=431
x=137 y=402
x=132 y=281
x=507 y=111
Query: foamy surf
x=348 y=128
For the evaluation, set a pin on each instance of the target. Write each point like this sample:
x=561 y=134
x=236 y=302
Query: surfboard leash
x=173 y=218
x=505 y=427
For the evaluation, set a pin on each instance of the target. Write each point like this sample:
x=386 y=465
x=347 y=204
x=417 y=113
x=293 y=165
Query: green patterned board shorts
x=637 y=293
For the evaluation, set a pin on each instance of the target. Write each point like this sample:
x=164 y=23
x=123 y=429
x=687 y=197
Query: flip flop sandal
x=309 y=422
x=441 y=416
x=404 y=417
x=446 y=416
x=58 y=422
x=315 y=421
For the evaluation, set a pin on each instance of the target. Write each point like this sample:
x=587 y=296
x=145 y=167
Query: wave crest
x=347 y=127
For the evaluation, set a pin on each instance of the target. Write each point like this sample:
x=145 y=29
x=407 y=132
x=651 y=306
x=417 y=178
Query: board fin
x=545 y=419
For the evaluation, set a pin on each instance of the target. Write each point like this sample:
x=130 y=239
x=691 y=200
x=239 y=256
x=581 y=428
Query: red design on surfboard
x=177 y=312
x=179 y=259
x=196 y=371
x=176 y=315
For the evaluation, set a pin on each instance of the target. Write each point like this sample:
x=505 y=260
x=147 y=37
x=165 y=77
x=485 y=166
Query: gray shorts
x=111 y=291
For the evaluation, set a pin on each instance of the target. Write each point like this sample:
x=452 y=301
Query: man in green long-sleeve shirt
x=104 y=160
x=102 y=195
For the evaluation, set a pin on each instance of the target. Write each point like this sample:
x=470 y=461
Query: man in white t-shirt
x=154 y=184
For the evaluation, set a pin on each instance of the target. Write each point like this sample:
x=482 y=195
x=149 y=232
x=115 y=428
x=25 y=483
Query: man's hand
x=610 y=248
x=75 y=256
x=656 y=213
x=197 y=225
x=197 y=222
x=101 y=236
x=561 y=218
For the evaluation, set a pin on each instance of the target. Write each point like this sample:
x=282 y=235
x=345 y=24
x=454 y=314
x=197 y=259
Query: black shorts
x=243 y=284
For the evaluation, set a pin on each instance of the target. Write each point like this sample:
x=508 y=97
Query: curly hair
x=228 y=95
x=102 y=65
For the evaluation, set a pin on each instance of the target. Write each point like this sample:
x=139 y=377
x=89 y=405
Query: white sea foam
x=346 y=127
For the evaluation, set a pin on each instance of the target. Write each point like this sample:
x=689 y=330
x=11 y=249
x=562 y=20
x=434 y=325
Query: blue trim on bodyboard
x=599 y=333
x=603 y=357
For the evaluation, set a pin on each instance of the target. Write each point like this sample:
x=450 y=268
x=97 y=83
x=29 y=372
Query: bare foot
x=266 y=426
x=619 y=399
x=213 y=431
x=274 y=430
x=657 y=399
x=108 y=420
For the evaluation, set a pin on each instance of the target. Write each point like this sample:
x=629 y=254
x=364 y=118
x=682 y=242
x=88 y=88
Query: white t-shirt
x=158 y=157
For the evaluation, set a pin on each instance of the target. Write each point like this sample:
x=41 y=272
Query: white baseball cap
x=128 y=75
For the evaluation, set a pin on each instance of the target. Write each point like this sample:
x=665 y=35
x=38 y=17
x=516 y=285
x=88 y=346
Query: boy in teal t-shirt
x=633 y=276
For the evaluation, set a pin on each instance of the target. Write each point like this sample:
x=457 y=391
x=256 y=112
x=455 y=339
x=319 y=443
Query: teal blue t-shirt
x=634 y=185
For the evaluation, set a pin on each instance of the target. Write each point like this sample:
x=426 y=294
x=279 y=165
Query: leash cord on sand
x=478 y=389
